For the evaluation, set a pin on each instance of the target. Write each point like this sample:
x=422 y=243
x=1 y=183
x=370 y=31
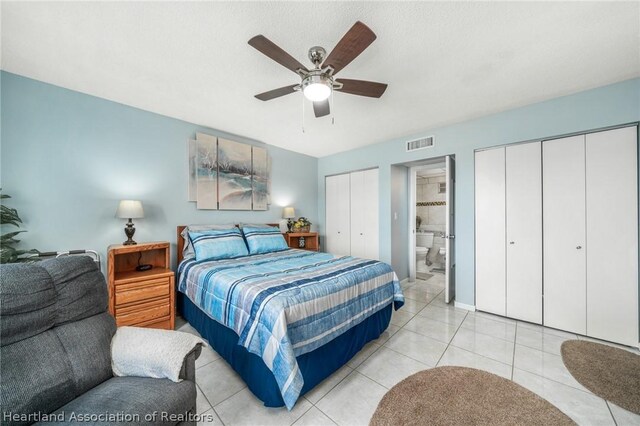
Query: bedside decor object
x=141 y=298
x=289 y=213
x=302 y=225
x=130 y=209
x=303 y=240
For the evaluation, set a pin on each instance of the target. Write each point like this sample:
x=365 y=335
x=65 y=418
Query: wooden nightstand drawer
x=142 y=298
x=142 y=290
x=143 y=312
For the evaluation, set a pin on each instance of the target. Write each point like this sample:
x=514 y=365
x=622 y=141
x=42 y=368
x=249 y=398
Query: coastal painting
x=234 y=175
x=260 y=179
x=206 y=172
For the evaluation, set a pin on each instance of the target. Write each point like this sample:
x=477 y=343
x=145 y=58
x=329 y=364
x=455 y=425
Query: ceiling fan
x=318 y=83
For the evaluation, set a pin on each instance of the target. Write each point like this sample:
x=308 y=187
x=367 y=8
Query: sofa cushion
x=136 y=397
x=27 y=302
x=36 y=376
x=80 y=286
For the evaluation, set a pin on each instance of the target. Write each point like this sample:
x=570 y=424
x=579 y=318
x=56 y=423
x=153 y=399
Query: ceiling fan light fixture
x=317 y=88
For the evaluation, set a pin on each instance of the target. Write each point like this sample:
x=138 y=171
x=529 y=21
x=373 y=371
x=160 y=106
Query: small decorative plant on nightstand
x=302 y=225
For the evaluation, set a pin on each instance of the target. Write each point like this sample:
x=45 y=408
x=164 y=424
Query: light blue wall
x=67 y=158
x=605 y=106
x=399 y=220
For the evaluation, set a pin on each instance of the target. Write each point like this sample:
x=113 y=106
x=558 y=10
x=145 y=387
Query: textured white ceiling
x=445 y=62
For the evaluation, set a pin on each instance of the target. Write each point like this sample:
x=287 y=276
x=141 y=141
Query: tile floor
x=425 y=333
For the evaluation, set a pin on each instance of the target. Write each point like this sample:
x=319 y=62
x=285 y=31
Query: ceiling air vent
x=420 y=144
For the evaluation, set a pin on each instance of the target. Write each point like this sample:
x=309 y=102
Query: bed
x=286 y=320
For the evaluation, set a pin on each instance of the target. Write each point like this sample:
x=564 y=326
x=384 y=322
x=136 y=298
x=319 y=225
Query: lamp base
x=289 y=225
x=129 y=231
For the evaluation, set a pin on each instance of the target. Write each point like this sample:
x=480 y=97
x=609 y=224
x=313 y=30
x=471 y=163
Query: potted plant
x=302 y=225
x=8 y=253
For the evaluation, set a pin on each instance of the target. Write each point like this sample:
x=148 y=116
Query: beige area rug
x=463 y=396
x=611 y=373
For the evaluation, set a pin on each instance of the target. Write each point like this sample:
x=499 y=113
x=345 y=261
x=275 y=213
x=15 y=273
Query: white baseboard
x=471 y=308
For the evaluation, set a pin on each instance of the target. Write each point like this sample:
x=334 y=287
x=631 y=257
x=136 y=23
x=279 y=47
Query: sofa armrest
x=188 y=371
x=146 y=352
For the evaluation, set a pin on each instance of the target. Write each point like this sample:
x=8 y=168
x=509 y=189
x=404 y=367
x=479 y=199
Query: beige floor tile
x=323 y=388
x=583 y=407
x=389 y=367
x=623 y=417
x=538 y=339
x=384 y=337
x=364 y=353
x=244 y=408
x=489 y=346
x=544 y=364
x=413 y=306
x=207 y=355
x=440 y=331
x=490 y=327
x=202 y=404
x=450 y=316
x=218 y=381
x=417 y=346
x=353 y=401
x=464 y=358
x=400 y=318
x=546 y=330
x=209 y=418
x=314 y=417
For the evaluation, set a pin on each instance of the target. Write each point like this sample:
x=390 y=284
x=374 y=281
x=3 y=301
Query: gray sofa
x=55 y=356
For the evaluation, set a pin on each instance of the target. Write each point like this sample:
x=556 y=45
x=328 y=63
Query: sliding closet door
x=524 y=231
x=490 y=231
x=612 y=233
x=564 y=238
x=364 y=214
x=338 y=233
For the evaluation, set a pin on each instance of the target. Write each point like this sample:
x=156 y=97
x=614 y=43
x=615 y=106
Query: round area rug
x=463 y=396
x=611 y=373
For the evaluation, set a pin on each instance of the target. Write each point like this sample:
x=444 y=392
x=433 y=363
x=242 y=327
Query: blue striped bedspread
x=288 y=303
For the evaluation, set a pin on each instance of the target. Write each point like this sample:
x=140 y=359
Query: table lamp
x=130 y=209
x=289 y=213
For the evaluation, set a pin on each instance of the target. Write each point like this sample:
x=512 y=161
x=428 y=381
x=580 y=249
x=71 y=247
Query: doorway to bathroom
x=431 y=224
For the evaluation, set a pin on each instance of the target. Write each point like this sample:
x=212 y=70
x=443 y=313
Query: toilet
x=424 y=241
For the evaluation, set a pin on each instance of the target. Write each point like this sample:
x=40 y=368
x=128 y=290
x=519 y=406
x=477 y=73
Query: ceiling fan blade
x=276 y=93
x=361 y=87
x=273 y=51
x=321 y=108
x=353 y=43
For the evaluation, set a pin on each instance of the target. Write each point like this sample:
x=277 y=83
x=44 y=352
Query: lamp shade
x=130 y=209
x=288 y=213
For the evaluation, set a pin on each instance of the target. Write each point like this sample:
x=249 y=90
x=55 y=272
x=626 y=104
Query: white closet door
x=337 y=219
x=490 y=231
x=612 y=235
x=564 y=247
x=524 y=231
x=371 y=215
x=364 y=214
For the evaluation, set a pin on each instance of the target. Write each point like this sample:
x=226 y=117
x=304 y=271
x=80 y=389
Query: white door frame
x=437 y=162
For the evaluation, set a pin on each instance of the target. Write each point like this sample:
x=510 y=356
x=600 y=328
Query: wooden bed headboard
x=180 y=240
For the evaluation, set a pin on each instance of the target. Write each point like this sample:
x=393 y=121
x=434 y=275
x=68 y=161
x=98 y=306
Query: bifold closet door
x=564 y=247
x=490 y=230
x=524 y=231
x=364 y=214
x=337 y=210
x=612 y=235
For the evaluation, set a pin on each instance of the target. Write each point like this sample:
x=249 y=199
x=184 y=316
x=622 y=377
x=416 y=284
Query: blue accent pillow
x=264 y=239
x=216 y=244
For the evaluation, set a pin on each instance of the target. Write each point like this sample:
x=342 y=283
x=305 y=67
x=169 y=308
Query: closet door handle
x=578 y=247
x=512 y=242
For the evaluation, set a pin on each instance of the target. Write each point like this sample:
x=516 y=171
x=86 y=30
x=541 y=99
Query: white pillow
x=187 y=250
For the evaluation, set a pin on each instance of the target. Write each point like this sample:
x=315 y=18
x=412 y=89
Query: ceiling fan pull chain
x=333 y=109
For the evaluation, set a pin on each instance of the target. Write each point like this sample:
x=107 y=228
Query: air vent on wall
x=420 y=144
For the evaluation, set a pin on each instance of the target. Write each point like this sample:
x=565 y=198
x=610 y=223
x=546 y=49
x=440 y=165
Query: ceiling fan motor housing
x=317 y=55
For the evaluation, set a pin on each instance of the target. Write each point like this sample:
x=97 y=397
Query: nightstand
x=310 y=240
x=141 y=298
